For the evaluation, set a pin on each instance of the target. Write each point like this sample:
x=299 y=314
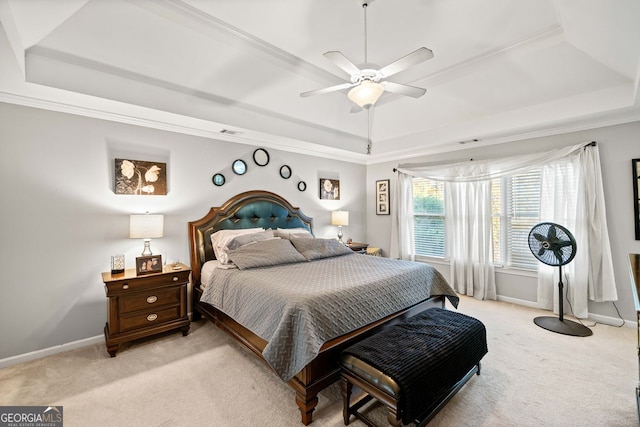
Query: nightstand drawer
x=131 y=284
x=149 y=300
x=148 y=318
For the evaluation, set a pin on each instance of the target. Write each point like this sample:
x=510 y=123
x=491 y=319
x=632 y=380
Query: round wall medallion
x=302 y=185
x=218 y=179
x=285 y=172
x=239 y=167
x=261 y=157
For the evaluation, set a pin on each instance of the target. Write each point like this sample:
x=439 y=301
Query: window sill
x=432 y=260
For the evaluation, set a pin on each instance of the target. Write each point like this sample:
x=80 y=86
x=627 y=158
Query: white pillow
x=220 y=238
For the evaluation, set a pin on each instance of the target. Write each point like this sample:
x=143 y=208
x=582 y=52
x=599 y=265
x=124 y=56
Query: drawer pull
x=152 y=299
x=175 y=278
x=125 y=286
x=152 y=317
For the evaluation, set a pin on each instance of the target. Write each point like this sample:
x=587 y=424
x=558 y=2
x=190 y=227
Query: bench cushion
x=418 y=360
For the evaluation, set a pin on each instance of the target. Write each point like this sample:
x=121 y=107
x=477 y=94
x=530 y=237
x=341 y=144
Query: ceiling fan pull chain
x=364 y=6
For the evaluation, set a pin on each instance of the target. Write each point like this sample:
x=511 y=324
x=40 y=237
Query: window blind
x=428 y=210
x=523 y=212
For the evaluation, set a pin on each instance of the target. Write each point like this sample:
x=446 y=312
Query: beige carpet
x=530 y=377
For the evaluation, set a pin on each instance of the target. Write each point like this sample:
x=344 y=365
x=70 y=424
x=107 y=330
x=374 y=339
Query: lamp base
x=565 y=327
x=147 y=248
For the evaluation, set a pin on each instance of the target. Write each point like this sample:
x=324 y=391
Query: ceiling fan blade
x=342 y=62
x=328 y=89
x=412 y=91
x=415 y=57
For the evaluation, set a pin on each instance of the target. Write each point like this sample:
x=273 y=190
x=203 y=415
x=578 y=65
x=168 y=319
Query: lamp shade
x=340 y=218
x=366 y=93
x=146 y=226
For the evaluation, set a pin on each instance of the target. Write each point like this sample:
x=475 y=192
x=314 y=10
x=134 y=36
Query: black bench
x=413 y=367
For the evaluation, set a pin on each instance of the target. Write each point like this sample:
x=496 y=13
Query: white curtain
x=573 y=196
x=469 y=235
x=402 y=238
x=469 y=239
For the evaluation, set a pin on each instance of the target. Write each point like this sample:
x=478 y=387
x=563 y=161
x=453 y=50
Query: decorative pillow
x=246 y=239
x=265 y=253
x=320 y=248
x=288 y=233
x=220 y=238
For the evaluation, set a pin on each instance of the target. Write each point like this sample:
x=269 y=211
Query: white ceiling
x=503 y=70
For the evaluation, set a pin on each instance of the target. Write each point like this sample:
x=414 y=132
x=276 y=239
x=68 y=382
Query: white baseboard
x=517 y=301
x=607 y=320
x=39 y=354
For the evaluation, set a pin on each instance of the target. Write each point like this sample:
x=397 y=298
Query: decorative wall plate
x=261 y=157
x=218 y=180
x=285 y=172
x=302 y=185
x=239 y=167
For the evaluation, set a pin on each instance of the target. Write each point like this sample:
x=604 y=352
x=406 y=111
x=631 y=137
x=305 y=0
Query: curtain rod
x=590 y=144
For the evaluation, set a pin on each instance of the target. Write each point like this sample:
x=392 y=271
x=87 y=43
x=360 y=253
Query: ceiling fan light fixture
x=366 y=93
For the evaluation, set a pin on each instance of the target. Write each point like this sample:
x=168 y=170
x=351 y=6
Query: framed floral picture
x=140 y=177
x=382 y=197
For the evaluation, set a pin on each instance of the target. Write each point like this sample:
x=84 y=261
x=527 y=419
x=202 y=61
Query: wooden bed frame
x=268 y=210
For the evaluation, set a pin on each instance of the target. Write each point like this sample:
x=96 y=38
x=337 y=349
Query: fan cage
x=552 y=244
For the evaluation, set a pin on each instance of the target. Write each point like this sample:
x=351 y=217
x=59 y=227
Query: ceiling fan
x=368 y=82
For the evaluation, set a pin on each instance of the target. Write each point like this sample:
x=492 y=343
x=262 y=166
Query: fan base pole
x=565 y=327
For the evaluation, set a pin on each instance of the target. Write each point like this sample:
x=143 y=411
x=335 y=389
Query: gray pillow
x=245 y=239
x=265 y=253
x=320 y=248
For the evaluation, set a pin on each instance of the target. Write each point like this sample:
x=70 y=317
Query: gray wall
x=61 y=221
x=617 y=145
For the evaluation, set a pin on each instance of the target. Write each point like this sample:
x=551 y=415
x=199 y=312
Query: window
x=515 y=208
x=428 y=217
x=523 y=212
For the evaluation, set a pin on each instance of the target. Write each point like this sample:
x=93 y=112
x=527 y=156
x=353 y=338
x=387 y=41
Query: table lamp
x=146 y=227
x=340 y=218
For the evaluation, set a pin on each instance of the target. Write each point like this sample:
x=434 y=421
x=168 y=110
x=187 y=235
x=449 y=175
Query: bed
x=310 y=325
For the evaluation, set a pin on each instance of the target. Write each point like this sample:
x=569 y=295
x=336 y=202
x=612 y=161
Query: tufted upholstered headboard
x=246 y=210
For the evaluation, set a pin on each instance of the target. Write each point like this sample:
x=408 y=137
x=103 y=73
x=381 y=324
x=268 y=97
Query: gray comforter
x=297 y=307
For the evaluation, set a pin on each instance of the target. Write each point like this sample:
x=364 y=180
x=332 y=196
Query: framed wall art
x=140 y=177
x=329 y=189
x=148 y=264
x=382 y=197
x=636 y=195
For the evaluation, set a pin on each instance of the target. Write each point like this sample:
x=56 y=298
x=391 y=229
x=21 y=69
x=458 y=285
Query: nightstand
x=140 y=306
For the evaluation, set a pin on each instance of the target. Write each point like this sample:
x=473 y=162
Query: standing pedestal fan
x=554 y=245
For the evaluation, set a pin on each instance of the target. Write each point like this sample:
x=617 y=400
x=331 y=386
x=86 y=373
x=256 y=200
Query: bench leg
x=346 y=388
x=393 y=419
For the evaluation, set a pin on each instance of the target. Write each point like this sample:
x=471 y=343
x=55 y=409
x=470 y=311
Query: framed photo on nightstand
x=382 y=197
x=148 y=264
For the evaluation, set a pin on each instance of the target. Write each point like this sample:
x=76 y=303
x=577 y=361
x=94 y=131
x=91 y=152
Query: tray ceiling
x=502 y=70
